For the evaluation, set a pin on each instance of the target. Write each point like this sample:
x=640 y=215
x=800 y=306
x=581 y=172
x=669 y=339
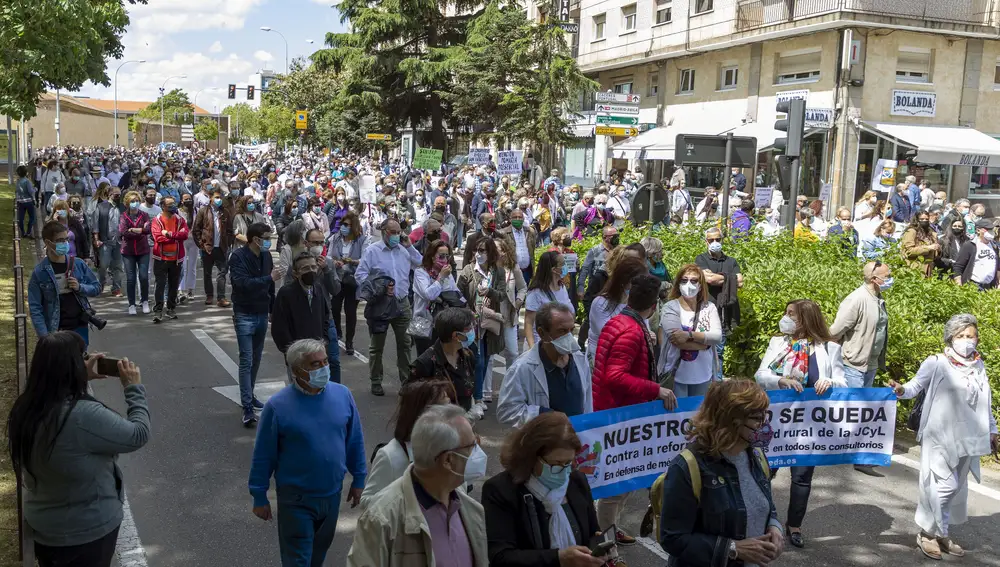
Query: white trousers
x=943 y=502
x=509 y=355
x=190 y=267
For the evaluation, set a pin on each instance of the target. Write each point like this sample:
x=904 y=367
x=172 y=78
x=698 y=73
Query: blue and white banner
x=625 y=449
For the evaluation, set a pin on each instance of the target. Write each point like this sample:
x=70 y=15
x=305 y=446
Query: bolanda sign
x=913 y=103
x=974 y=160
x=819 y=117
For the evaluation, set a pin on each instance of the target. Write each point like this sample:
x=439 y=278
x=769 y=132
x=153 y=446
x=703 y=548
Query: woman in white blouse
x=434 y=276
x=547 y=285
x=391 y=459
x=802 y=356
x=510 y=307
x=689 y=330
x=957 y=427
x=613 y=298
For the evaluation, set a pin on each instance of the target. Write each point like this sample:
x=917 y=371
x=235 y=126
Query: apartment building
x=913 y=80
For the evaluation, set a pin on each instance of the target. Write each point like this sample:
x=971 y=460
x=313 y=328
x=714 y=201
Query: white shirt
x=215 y=233
x=681 y=201
x=620 y=206
x=394 y=262
x=521 y=244
x=537 y=298
x=984 y=267
x=675 y=317
x=426 y=289
x=599 y=317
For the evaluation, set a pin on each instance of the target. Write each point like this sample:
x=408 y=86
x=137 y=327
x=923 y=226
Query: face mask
x=553 y=480
x=470 y=337
x=938 y=201
x=475 y=464
x=316 y=210
x=316 y=250
x=924 y=223
x=76 y=178
x=439 y=208
x=265 y=244
x=481 y=258
x=964 y=347
x=715 y=247
x=564 y=344
x=761 y=437
x=518 y=223
x=133 y=205
x=345 y=230
x=172 y=209
x=787 y=325
x=420 y=198
x=690 y=290
x=886 y=284
x=217 y=202
x=187 y=204
x=319 y=378
x=565 y=271
x=307 y=278
x=393 y=241
x=62 y=248
x=988 y=236
x=341 y=199
x=251 y=207
x=958 y=231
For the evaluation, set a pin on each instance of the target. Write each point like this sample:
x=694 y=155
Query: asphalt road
x=187 y=489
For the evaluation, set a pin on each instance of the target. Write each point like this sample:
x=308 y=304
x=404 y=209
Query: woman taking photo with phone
x=539 y=511
x=65 y=444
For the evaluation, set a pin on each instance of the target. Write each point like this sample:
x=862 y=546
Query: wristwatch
x=733 y=554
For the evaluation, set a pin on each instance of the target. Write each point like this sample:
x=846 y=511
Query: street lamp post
x=268 y=29
x=162 y=90
x=115 y=144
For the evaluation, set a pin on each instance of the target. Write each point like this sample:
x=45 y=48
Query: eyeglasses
x=557 y=468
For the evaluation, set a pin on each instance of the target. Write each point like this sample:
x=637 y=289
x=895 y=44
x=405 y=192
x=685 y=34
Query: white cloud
x=216 y=47
x=191 y=15
x=263 y=56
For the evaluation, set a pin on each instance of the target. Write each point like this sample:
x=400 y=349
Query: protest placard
x=625 y=449
x=366 y=190
x=427 y=158
x=509 y=162
x=479 y=156
x=762 y=197
x=825 y=191
x=884 y=175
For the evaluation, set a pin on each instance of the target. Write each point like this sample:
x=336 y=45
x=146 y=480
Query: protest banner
x=427 y=158
x=509 y=162
x=625 y=449
x=479 y=156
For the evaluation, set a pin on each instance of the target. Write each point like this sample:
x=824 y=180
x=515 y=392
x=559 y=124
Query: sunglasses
x=715 y=239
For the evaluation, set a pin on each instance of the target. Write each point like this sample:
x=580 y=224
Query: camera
x=91 y=317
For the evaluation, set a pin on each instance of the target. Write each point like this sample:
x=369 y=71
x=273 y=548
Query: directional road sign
x=615 y=131
x=620 y=120
x=617 y=109
x=383 y=137
x=616 y=97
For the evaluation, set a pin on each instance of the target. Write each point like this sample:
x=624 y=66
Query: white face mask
x=965 y=347
x=787 y=325
x=316 y=250
x=988 y=236
x=690 y=290
x=481 y=258
x=564 y=344
x=475 y=464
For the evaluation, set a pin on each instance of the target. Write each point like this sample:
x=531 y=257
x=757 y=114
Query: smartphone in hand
x=107 y=366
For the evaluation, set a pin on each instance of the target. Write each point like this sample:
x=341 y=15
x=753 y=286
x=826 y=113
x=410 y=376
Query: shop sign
x=819 y=118
x=975 y=160
x=791 y=95
x=913 y=103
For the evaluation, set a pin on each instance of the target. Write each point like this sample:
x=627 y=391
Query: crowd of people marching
x=450 y=260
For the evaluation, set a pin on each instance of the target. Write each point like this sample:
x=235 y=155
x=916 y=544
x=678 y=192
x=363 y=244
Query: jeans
x=720 y=349
x=136 y=266
x=399 y=325
x=167 y=273
x=482 y=365
x=97 y=553
x=347 y=301
x=459 y=235
x=858 y=379
x=218 y=259
x=799 y=496
x=333 y=354
x=84 y=332
x=22 y=210
x=306 y=526
x=110 y=256
x=251 y=330
x=527 y=273
x=691 y=390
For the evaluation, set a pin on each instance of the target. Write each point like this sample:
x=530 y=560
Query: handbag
x=916 y=412
x=420 y=326
x=490 y=320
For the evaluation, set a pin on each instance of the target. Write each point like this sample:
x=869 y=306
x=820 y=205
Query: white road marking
x=356 y=354
x=220 y=355
x=977 y=488
x=263 y=390
x=129 y=548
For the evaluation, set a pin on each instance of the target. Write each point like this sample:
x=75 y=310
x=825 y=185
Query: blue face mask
x=218 y=202
x=470 y=337
x=133 y=205
x=565 y=270
x=393 y=240
x=345 y=230
x=553 y=480
x=320 y=377
x=62 y=248
x=265 y=244
x=251 y=207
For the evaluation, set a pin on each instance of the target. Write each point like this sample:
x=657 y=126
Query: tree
x=206 y=129
x=174 y=102
x=245 y=122
x=55 y=44
x=276 y=123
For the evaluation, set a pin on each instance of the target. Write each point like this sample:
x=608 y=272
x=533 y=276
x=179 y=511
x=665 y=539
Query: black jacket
x=295 y=318
x=967 y=260
x=253 y=288
x=517 y=525
x=432 y=364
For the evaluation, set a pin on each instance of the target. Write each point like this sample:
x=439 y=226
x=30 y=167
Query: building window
x=599 y=22
x=996 y=76
x=728 y=77
x=702 y=6
x=663 y=12
x=628 y=18
x=913 y=65
x=686 y=82
x=623 y=86
x=654 y=85
x=797 y=67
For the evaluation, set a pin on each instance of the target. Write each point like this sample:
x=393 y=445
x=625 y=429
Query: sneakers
x=482 y=406
x=257 y=404
x=116 y=293
x=145 y=308
x=224 y=303
x=170 y=314
x=157 y=316
x=950 y=547
x=249 y=417
x=349 y=349
x=182 y=298
x=622 y=538
x=929 y=546
x=475 y=413
x=377 y=390
x=131 y=309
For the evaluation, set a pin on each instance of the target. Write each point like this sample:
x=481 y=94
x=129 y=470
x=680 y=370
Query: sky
x=214 y=43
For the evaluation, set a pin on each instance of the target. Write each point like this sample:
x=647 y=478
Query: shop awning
x=659 y=143
x=765 y=134
x=943 y=145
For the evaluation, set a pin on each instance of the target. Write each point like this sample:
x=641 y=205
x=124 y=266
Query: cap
x=983 y=223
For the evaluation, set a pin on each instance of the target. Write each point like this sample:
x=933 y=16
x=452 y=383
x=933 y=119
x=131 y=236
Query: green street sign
x=619 y=120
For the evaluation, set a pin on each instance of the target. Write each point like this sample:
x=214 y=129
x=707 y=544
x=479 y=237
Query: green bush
x=779 y=269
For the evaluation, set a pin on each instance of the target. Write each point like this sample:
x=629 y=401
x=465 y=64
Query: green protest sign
x=427 y=158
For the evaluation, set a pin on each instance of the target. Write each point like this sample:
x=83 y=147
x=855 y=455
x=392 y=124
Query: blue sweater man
x=308 y=438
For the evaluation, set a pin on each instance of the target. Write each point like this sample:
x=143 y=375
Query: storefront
x=815 y=162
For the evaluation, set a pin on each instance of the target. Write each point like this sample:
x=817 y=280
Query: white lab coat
x=525 y=388
x=828 y=359
x=389 y=464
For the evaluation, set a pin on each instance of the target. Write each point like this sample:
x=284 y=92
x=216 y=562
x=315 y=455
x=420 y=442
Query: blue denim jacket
x=43 y=296
x=697 y=534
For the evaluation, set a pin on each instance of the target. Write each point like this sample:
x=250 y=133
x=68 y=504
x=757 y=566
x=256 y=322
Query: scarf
x=560 y=531
x=794 y=362
x=973 y=371
x=650 y=339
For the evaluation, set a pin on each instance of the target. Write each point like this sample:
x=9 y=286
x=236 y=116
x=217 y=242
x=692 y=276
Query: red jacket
x=621 y=366
x=177 y=237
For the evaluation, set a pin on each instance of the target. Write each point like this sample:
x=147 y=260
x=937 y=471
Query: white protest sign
x=762 y=197
x=826 y=191
x=509 y=162
x=367 y=189
x=570 y=261
x=479 y=156
x=884 y=175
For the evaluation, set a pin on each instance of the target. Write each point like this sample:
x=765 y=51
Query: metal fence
x=752 y=14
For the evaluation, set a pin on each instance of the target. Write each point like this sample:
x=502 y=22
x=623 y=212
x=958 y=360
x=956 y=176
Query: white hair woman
x=957 y=427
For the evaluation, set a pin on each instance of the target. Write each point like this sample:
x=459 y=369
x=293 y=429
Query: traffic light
x=784 y=171
x=232 y=91
x=249 y=92
x=794 y=123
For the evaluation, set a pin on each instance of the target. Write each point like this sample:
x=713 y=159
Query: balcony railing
x=753 y=14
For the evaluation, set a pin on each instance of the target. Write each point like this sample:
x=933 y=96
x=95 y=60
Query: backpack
x=651 y=520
